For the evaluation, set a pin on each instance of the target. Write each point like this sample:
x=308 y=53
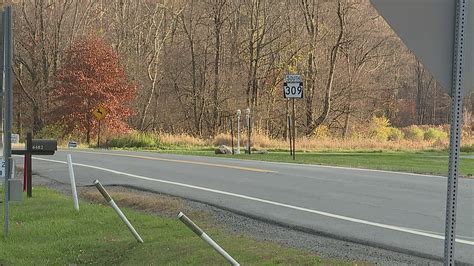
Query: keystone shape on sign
x=427 y=29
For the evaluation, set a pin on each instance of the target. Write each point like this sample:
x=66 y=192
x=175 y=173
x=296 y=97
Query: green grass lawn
x=46 y=230
x=426 y=162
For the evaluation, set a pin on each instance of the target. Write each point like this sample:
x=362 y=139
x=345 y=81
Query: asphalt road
x=402 y=212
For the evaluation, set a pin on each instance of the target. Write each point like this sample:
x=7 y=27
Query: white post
x=73 y=182
x=238 y=131
x=198 y=231
x=247 y=120
x=122 y=216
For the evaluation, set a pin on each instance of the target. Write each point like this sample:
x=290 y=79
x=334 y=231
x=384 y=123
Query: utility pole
x=8 y=116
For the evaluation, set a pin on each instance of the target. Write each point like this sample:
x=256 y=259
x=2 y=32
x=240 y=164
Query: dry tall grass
x=334 y=144
x=180 y=140
x=410 y=138
x=260 y=141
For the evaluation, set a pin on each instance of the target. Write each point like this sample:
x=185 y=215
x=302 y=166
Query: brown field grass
x=261 y=141
x=383 y=137
x=181 y=140
x=323 y=144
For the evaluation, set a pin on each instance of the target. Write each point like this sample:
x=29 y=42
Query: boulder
x=223 y=149
x=260 y=152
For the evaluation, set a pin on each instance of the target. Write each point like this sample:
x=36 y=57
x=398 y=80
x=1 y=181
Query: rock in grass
x=223 y=149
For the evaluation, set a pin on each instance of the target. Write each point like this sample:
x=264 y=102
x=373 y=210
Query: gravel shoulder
x=237 y=224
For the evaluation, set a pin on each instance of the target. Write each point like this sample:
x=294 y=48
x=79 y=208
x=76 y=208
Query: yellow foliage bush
x=379 y=128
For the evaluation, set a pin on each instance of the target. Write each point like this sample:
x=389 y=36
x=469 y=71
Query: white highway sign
x=293 y=90
x=293 y=87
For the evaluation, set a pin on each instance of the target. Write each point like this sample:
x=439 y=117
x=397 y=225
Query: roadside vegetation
x=378 y=135
x=415 y=149
x=46 y=230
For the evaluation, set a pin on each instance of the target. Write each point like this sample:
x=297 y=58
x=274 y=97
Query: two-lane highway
x=395 y=210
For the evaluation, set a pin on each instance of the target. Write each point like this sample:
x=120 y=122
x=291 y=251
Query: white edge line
x=331 y=215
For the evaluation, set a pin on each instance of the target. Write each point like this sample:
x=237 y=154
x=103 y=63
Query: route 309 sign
x=293 y=87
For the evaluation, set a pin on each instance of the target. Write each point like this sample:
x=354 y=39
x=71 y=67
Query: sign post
x=99 y=113
x=290 y=138
x=8 y=100
x=437 y=31
x=455 y=136
x=293 y=89
x=238 y=131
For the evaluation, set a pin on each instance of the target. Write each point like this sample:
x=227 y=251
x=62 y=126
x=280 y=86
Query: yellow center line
x=182 y=161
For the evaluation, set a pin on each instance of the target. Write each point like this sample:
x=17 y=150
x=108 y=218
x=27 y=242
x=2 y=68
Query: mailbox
x=48 y=146
x=34 y=147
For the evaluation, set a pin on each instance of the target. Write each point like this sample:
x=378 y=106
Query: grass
x=426 y=162
x=435 y=139
x=46 y=230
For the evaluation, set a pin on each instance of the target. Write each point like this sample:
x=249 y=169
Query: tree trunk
x=332 y=65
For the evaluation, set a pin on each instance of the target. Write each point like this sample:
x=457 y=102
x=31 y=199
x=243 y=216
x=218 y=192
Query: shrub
x=414 y=133
x=467 y=148
x=434 y=134
x=379 y=128
x=322 y=132
x=134 y=140
x=222 y=139
x=182 y=140
x=395 y=134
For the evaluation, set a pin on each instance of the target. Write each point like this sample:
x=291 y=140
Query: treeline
x=195 y=63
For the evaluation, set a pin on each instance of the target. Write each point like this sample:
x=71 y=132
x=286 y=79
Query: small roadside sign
x=292 y=78
x=2 y=168
x=99 y=112
x=293 y=87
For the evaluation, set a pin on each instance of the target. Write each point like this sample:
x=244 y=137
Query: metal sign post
x=98 y=136
x=8 y=116
x=290 y=135
x=294 y=129
x=437 y=31
x=455 y=136
x=293 y=89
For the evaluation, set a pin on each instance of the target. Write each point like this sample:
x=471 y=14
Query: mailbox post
x=28 y=180
x=35 y=147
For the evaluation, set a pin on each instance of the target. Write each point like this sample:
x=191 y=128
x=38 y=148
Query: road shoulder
x=240 y=225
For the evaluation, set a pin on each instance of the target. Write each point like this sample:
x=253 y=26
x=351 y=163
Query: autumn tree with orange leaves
x=91 y=76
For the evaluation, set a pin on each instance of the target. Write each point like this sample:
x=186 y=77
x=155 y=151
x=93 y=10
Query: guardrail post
x=198 y=231
x=122 y=216
x=73 y=182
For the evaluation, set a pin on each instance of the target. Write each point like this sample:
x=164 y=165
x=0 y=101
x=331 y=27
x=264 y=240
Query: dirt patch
x=140 y=200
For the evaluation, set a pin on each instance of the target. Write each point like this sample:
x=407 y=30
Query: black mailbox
x=35 y=147
x=44 y=145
